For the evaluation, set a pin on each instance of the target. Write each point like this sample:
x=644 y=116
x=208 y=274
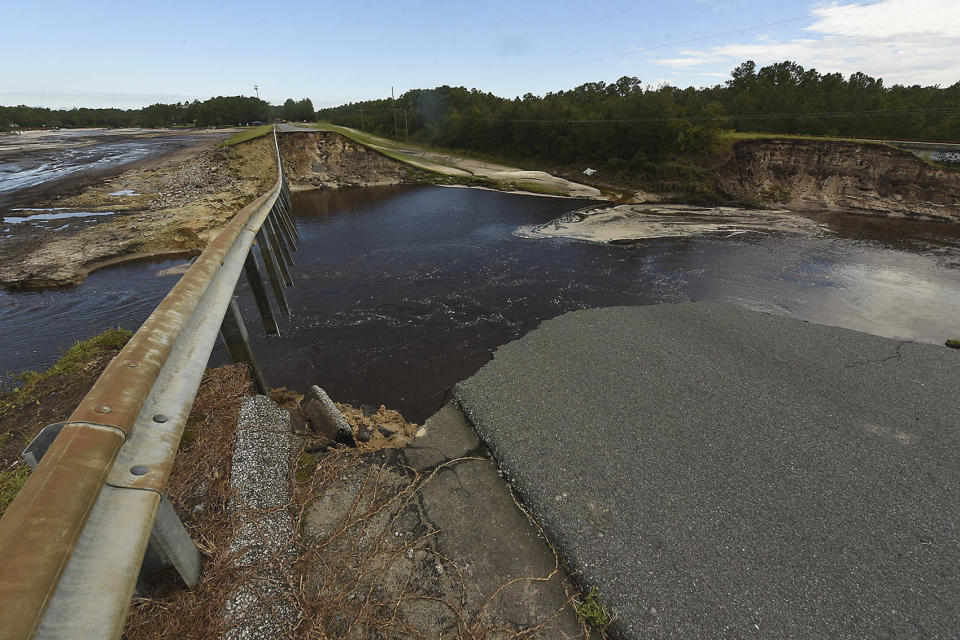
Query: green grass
x=247 y=134
x=953 y=344
x=11 y=481
x=306 y=465
x=69 y=363
x=362 y=137
x=736 y=136
x=591 y=611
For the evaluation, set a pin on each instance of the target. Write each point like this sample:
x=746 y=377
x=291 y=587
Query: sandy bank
x=636 y=222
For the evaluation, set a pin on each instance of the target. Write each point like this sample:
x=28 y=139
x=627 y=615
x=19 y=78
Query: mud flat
x=172 y=204
x=37 y=165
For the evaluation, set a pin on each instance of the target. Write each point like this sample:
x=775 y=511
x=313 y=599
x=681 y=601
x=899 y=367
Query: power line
x=682 y=42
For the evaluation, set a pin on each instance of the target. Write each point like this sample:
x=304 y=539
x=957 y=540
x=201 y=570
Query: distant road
x=722 y=473
x=932 y=146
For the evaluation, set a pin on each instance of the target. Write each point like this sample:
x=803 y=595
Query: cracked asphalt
x=723 y=473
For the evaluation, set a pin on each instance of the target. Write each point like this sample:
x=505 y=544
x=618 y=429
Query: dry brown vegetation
x=367 y=569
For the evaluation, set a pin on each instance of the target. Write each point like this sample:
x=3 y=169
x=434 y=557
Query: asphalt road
x=721 y=473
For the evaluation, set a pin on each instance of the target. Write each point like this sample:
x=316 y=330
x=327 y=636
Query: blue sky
x=128 y=54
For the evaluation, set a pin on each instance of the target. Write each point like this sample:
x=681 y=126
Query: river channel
x=400 y=292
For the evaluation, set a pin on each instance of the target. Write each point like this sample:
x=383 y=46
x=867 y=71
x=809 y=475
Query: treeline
x=222 y=110
x=628 y=125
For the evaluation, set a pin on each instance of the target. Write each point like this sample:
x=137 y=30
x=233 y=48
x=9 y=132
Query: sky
x=133 y=53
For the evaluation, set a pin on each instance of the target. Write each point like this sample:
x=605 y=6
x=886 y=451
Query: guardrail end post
x=237 y=341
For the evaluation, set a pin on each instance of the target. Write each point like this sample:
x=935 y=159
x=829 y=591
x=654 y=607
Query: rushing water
x=402 y=291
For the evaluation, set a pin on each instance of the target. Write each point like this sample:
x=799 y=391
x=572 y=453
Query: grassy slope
x=247 y=134
x=389 y=148
x=46 y=397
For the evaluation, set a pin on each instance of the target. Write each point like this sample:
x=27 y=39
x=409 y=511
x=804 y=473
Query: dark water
x=402 y=291
x=36 y=326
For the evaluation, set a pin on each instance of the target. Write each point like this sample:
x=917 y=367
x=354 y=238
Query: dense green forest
x=629 y=126
x=221 y=110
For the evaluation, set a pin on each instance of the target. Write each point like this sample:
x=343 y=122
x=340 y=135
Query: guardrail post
x=284 y=223
x=288 y=212
x=255 y=279
x=170 y=546
x=270 y=261
x=277 y=252
x=237 y=341
x=281 y=237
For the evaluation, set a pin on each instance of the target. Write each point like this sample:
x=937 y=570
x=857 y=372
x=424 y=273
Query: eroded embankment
x=333 y=159
x=860 y=177
x=172 y=209
x=325 y=160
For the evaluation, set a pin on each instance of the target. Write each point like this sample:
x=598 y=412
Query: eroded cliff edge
x=860 y=177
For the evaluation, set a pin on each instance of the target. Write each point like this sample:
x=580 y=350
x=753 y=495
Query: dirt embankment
x=860 y=177
x=175 y=208
x=327 y=159
x=324 y=160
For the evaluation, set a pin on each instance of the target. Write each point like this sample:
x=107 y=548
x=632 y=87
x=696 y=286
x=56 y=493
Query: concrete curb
x=260 y=479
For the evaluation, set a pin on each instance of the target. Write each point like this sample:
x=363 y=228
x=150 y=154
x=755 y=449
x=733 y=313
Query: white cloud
x=890 y=19
x=901 y=41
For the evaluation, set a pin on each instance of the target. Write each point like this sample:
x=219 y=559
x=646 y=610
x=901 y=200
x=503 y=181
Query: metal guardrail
x=72 y=543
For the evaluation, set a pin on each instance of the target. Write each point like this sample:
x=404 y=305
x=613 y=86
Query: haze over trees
x=628 y=125
x=222 y=110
